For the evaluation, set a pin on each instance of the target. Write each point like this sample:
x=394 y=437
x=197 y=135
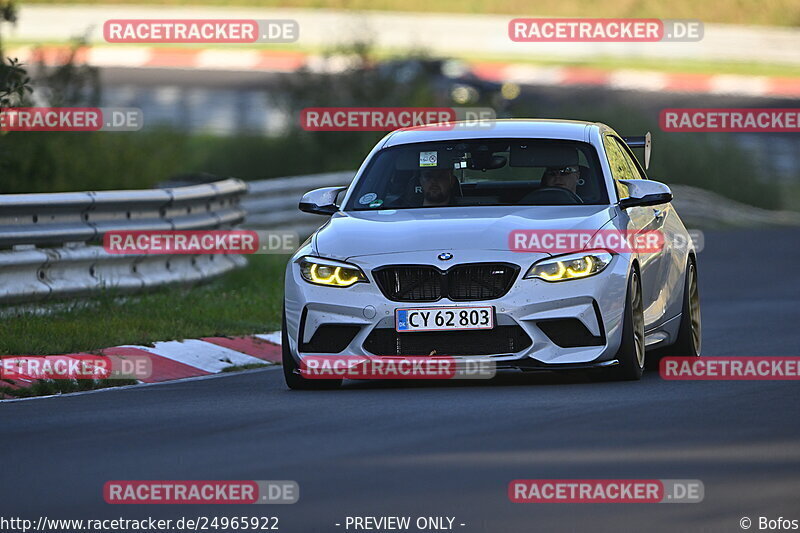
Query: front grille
x=462 y=283
x=410 y=284
x=479 y=282
x=500 y=340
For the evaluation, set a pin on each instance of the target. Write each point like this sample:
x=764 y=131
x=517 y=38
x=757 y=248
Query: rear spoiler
x=641 y=142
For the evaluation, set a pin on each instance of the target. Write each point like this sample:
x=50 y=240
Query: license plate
x=444 y=318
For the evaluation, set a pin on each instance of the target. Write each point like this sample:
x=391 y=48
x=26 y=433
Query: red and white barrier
x=188 y=358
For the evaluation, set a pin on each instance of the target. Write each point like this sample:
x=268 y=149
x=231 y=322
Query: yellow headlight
x=580 y=268
x=573 y=266
x=331 y=273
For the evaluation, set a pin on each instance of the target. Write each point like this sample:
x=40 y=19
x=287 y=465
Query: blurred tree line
x=14 y=80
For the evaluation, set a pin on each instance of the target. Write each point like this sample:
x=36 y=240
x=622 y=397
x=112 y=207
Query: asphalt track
x=450 y=450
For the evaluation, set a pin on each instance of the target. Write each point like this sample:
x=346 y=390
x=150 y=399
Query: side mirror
x=645 y=192
x=321 y=201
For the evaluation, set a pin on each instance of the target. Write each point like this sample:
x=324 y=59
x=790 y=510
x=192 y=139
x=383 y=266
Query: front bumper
x=535 y=306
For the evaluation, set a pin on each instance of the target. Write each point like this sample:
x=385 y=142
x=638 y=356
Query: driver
x=438 y=185
x=563 y=177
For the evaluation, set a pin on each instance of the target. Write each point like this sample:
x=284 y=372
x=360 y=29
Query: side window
x=620 y=170
x=636 y=171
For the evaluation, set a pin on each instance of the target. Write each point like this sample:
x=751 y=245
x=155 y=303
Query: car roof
x=573 y=130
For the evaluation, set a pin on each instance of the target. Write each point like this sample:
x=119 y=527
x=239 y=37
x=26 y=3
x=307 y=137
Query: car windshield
x=491 y=172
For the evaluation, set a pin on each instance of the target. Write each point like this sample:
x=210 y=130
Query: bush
x=71 y=161
x=709 y=161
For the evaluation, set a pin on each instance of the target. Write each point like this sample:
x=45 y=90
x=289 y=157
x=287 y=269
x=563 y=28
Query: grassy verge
x=63 y=386
x=243 y=302
x=237 y=368
x=764 y=12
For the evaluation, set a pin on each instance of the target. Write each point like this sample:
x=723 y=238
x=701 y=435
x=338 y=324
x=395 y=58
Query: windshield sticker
x=376 y=203
x=427 y=159
x=367 y=198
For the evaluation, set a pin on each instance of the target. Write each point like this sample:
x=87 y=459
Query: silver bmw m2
x=520 y=244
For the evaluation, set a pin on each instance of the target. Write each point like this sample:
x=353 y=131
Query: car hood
x=358 y=233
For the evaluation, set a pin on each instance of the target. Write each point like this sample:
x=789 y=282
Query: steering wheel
x=565 y=194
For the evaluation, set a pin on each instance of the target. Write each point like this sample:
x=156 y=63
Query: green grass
x=242 y=302
x=49 y=387
x=763 y=12
x=251 y=366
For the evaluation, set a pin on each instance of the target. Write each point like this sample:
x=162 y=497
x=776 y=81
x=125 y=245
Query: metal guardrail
x=48 y=241
x=272 y=204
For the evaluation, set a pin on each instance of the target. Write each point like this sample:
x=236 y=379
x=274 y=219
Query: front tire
x=291 y=373
x=632 y=348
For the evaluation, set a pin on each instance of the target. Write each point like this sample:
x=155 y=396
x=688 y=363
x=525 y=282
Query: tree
x=15 y=84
